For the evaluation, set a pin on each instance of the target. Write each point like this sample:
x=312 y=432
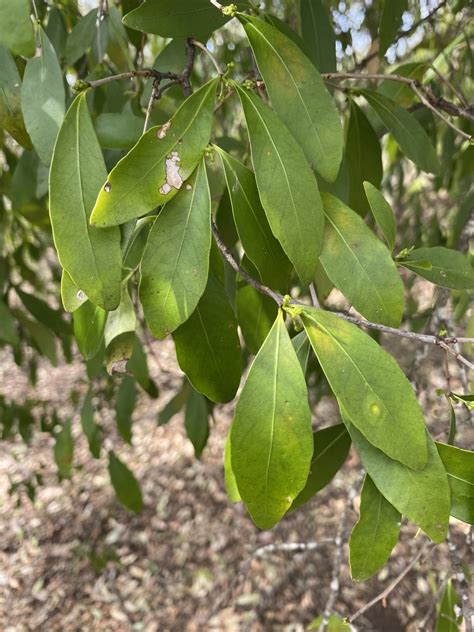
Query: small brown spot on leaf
x=107 y=187
x=161 y=133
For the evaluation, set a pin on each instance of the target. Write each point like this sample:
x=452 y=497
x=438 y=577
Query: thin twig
x=407 y=33
x=437 y=105
x=426 y=548
x=151 y=102
x=35 y=10
x=204 y=48
x=314 y=296
x=440 y=341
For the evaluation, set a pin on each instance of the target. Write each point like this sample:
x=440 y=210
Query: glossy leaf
x=92 y=257
x=370 y=386
x=383 y=214
x=363 y=156
x=119 y=334
x=196 y=421
x=89 y=323
x=71 y=296
x=374 y=535
x=16 y=27
x=126 y=400
x=208 y=347
x=11 y=118
x=230 y=484
x=302 y=346
x=466 y=399
x=43 y=98
x=287 y=187
x=420 y=495
x=360 y=265
x=64 y=451
x=298 y=95
x=157 y=167
x=255 y=234
x=118 y=130
x=271 y=437
x=125 y=484
x=176 y=18
x=175 y=263
x=390 y=22
x=459 y=465
x=89 y=427
x=409 y=134
x=331 y=447
x=447 y=621
x=449 y=268
x=318 y=34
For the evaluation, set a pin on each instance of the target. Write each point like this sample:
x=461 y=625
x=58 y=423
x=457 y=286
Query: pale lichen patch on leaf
x=173 y=177
x=161 y=133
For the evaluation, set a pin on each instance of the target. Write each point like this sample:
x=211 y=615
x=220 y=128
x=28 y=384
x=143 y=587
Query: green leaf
x=255 y=311
x=43 y=98
x=71 y=296
x=51 y=318
x=89 y=427
x=175 y=263
x=298 y=95
x=16 y=27
x=467 y=400
x=409 y=134
x=8 y=332
x=92 y=257
x=335 y=624
x=156 y=168
x=119 y=334
x=64 y=451
x=11 y=118
x=125 y=405
x=421 y=495
x=318 y=34
x=447 y=621
x=360 y=265
x=287 y=187
x=390 y=22
x=449 y=268
x=302 y=346
x=138 y=366
x=208 y=347
x=175 y=404
x=331 y=447
x=56 y=31
x=89 y=323
x=374 y=535
x=82 y=37
x=459 y=465
x=196 y=421
x=230 y=483
x=125 y=484
x=363 y=157
x=371 y=387
x=271 y=436
x=176 y=18
x=383 y=214
x=118 y=130
x=255 y=234
x=41 y=336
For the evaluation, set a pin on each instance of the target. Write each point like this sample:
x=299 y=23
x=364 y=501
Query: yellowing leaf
x=271 y=437
x=370 y=386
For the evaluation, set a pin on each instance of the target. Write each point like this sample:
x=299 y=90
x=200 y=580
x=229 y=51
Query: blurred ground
x=76 y=560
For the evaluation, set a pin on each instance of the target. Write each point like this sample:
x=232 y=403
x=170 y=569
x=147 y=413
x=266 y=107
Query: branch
x=437 y=105
x=147 y=72
x=401 y=34
x=441 y=341
x=426 y=548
